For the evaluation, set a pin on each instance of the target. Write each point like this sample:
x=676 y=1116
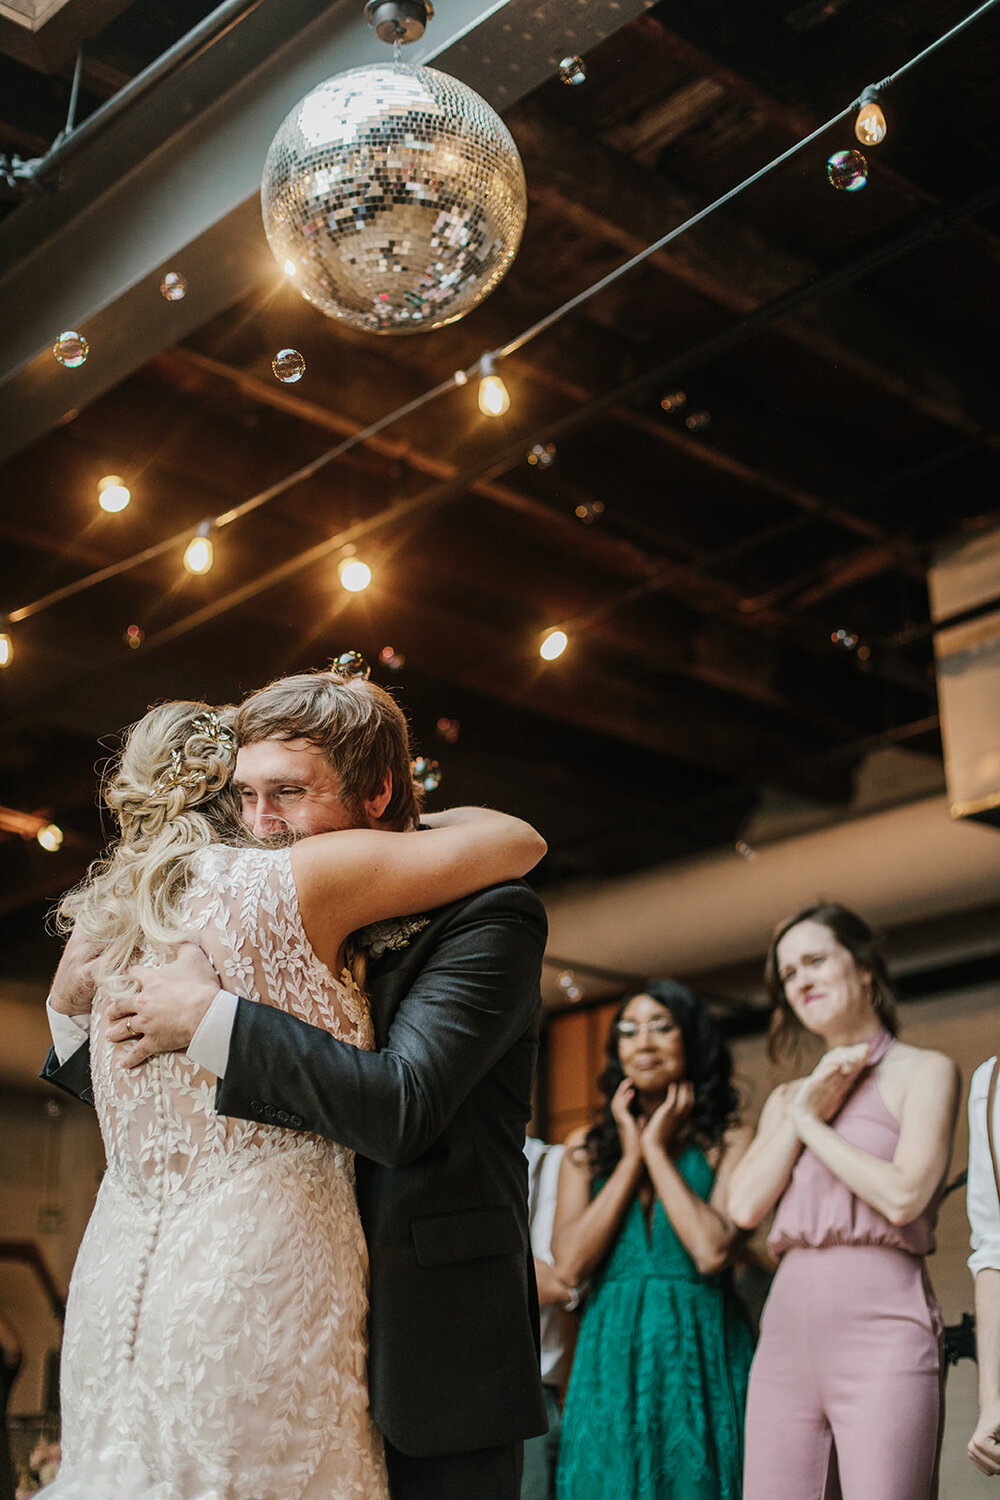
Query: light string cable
x=462 y=377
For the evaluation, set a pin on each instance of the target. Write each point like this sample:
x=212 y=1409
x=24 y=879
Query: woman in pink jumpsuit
x=845 y=1385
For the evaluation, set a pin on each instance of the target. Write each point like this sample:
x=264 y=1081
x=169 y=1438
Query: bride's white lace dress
x=215 y=1335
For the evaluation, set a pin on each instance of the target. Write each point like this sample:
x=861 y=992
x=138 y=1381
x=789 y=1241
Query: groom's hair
x=358 y=726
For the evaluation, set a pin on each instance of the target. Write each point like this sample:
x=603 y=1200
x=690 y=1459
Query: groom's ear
x=376 y=806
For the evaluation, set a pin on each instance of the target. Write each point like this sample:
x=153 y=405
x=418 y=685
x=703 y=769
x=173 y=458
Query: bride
x=215 y=1332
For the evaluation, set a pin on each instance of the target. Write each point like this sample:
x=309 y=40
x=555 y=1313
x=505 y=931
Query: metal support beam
x=173 y=183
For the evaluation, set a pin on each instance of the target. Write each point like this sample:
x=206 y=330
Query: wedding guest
x=541 y=1453
x=654 y=1409
x=853 y=1158
x=984 y=1262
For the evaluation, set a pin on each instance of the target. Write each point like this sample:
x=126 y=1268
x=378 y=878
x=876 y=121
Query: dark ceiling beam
x=729 y=262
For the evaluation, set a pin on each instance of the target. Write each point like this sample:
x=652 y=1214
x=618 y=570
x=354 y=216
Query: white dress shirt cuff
x=209 y=1047
x=68 y=1032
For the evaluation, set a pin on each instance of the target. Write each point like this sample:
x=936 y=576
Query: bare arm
x=984 y=1445
x=705 y=1229
x=347 y=879
x=902 y=1188
x=763 y=1173
x=585 y=1228
x=765 y=1170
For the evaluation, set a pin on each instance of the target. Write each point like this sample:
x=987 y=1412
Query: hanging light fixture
x=870 y=127
x=50 y=836
x=200 y=553
x=494 y=397
x=113 y=494
x=396 y=192
x=355 y=575
x=553 y=645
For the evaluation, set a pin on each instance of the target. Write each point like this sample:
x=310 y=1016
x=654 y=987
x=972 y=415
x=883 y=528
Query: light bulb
x=6 y=649
x=200 y=554
x=50 y=837
x=494 y=398
x=113 y=494
x=355 y=575
x=870 y=126
x=290 y=268
x=553 y=645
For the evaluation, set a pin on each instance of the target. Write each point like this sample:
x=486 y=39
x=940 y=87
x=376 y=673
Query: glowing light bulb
x=553 y=645
x=355 y=575
x=113 y=494
x=494 y=398
x=870 y=126
x=6 y=649
x=289 y=268
x=200 y=554
x=50 y=837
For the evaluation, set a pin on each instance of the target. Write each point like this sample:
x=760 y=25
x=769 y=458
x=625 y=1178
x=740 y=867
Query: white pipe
x=908 y=864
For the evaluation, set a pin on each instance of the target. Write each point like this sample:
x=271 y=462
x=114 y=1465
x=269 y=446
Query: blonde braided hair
x=171 y=794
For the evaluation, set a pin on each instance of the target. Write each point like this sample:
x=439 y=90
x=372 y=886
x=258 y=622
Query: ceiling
x=741 y=572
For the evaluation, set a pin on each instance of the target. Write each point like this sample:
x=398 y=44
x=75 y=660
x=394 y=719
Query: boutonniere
x=390 y=935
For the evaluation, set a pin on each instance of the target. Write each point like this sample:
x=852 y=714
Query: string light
x=489 y=383
x=870 y=126
x=494 y=397
x=200 y=553
x=50 y=837
x=553 y=645
x=113 y=494
x=355 y=575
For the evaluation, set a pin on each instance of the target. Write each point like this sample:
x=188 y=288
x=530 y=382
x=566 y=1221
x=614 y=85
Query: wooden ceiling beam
x=727 y=261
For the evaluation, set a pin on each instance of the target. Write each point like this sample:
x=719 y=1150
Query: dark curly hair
x=865 y=947
x=709 y=1068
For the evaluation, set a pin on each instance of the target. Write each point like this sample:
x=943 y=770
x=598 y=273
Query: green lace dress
x=655 y=1404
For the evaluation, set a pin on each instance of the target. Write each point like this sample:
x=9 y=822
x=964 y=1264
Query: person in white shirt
x=541 y=1454
x=984 y=1263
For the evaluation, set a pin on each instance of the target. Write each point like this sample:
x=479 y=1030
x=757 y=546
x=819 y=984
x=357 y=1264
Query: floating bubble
x=427 y=773
x=744 y=850
x=847 y=170
x=573 y=992
x=173 y=286
x=350 y=664
x=674 y=400
x=134 y=637
x=71 y=349
x=589 y=511
x=844 y=638
x=448 y=730
x=289 y=366
x=391 y=658
x=698 y=421
x=542 y=455
x=573 y=71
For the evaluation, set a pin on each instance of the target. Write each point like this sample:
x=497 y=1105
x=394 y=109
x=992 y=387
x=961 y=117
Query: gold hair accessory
x=207 y=726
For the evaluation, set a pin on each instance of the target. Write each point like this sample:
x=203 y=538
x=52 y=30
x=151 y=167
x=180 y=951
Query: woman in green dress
x=655 y=1404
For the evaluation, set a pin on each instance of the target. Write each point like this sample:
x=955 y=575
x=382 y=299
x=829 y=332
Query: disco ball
x=394 y=198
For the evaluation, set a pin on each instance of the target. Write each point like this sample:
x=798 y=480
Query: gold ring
x=128 y=1027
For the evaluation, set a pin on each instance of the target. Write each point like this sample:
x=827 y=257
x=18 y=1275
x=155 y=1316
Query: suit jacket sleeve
x=475 y=995
x=73 y=1076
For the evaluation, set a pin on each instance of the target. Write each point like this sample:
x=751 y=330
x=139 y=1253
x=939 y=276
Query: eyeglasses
x=658 y=1026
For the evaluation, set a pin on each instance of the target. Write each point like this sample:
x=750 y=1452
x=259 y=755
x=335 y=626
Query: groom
x=437 y=1113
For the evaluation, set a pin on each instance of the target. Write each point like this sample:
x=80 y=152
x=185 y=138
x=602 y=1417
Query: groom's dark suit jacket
x=437 y=1115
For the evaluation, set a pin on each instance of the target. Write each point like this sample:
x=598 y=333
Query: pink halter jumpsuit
x=847 y=1375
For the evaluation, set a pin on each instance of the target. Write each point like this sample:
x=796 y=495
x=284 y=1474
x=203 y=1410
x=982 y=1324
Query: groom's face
x=289 y=786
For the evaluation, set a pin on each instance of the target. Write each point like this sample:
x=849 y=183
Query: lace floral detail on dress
x=215 y=1339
